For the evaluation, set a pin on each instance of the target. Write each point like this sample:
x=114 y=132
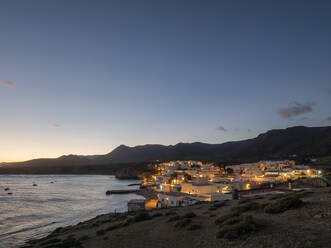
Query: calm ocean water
x=34 y=211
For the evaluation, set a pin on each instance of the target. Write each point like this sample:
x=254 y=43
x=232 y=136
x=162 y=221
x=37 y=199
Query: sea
x=41 y=203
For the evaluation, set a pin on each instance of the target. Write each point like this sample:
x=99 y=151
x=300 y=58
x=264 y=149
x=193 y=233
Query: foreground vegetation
x=301 y=219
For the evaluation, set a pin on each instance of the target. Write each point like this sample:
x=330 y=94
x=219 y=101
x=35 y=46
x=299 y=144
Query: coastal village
x=183 y=183
x=189 y=207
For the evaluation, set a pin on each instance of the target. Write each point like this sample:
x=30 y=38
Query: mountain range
x=291 y=142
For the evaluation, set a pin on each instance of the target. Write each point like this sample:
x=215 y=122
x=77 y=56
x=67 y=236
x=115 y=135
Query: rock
x=6 y=189
x=9 y=193
x=34 y=185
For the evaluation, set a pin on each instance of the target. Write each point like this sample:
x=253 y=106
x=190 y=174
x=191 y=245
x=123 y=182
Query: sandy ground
x=308 y=226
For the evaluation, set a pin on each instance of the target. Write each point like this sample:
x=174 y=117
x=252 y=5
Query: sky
x=82 y=77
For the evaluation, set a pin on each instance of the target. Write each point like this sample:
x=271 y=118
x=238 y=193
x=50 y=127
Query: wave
x=28 y=229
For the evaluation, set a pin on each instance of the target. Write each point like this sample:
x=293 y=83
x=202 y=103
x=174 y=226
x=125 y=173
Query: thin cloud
x=221 y=128
x=249 y=130
x=304 y=118
x=328 y=118
x=56 y=125
x=8 y=84
x=294 y=109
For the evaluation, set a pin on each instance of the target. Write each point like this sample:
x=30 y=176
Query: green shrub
x=225 y=217
x=83 y=238
x=124 y=223
x=110 y=228
x=142 y=216
x=185 y=216
x=194 y=227
x=246 y=207
x=276 y=197
x=52 y=241
x=70 y=242
x=101 y=232
x=246 y=225
x=232 y=220
x=244 y=200
x=174 y=218
x=183 y=223
x=189 y=215
x=157 y=215
x=118 y=225
x=301 y=194
x=283 y=205
x=172 y=212
x=70 y=236
x=58 y=230
x=130 y=219
x=217 y=205
x=297 y=194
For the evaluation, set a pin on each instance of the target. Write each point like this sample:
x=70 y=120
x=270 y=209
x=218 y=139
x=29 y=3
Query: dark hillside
x=294 y=142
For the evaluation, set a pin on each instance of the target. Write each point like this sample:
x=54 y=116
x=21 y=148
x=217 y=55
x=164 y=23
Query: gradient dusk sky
x=83 y=77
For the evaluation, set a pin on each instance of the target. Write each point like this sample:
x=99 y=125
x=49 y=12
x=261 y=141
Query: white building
x=203 y=188
x=176 y=199
x=136 y=205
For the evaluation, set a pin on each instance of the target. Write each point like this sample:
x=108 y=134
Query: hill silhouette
x=291 y=142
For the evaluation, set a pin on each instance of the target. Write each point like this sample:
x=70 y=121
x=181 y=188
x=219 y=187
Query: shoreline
x=158 y=227
x=57 y=200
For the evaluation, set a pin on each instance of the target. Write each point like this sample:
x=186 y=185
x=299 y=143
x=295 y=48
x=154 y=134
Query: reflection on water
x=55 y=200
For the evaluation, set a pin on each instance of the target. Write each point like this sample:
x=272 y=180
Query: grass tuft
x=194 y=227
x=142 y=216
x=239 y=228
x=174 y=218
x=157 y=215
x=217 y=205
x=100 y=232
x=244 y=200
x=250 y=206
x=283 y=205
x=189 y=215
x=171 y=212
x=183 y=223
x=220 y=220
x=83 y=238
